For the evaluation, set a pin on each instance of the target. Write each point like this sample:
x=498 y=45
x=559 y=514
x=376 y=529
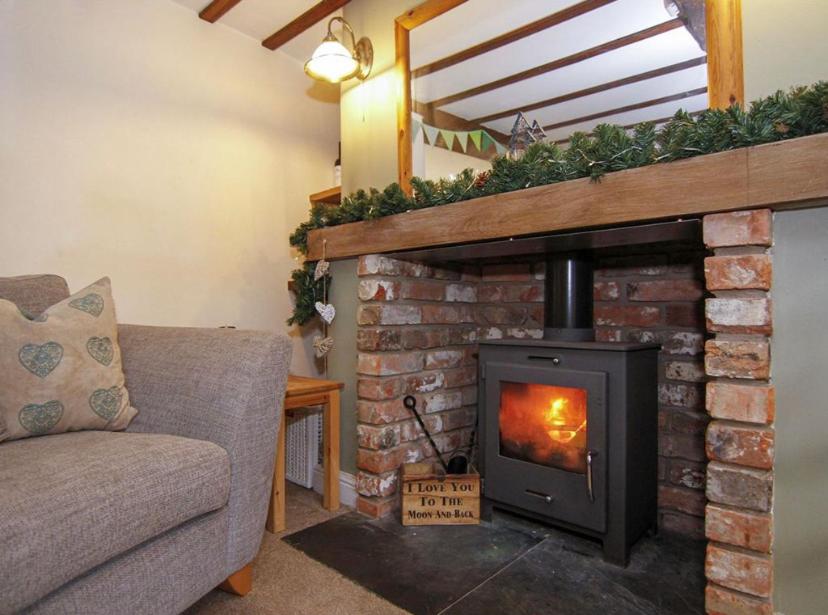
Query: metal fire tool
x=411 y=403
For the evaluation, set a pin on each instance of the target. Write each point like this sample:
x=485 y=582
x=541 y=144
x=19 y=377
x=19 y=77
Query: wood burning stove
x=568 y=426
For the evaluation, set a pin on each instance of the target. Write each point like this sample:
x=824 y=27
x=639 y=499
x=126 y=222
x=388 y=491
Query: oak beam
x=781 y=175
x=725 y=69
x=426 y=11
x=617 y=83
x=633 y=107
x=574 y=58
x=216 y=9
x=510 y=37
x=313 y=15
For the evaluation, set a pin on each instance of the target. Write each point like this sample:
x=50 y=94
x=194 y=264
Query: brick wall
x=418 y=330
x=740 y=400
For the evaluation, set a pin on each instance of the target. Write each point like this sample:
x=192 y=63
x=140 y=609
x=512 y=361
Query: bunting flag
x=448 y=137
x=481 y=139
x=416 y=126
x=475 y=136
x=500 y=149
x=431 y=134
x=463 y=138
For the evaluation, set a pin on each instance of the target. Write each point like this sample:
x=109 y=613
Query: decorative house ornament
x=321 y=270
x=537 y=132
x=326 y=311
x=522 y=136
x=322 y=345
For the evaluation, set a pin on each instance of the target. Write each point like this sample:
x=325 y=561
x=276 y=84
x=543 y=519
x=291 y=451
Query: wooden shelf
x=331 y=196
x=781 y=175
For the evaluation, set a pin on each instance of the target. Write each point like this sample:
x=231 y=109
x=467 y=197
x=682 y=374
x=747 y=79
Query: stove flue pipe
x=568 y=307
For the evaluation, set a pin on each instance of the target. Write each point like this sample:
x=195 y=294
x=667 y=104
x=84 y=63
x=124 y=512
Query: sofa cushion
x=62 y=371
x=69 y=502
x=33 y=294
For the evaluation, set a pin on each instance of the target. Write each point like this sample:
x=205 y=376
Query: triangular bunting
x=463 y=138
x=416 y=125
x=475 y=136
x=500 y=149
x=485 y=141
x=448 y=137
x=430 y=133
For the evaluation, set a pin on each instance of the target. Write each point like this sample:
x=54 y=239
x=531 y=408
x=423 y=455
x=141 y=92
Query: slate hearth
x=511 y=565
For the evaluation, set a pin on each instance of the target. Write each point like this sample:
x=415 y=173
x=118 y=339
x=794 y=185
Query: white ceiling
x=476 y=21
x=259 y=19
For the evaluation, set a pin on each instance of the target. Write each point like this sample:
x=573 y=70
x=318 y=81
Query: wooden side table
x=303 y=392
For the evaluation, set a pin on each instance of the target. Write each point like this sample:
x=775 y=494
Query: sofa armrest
x=221 y=385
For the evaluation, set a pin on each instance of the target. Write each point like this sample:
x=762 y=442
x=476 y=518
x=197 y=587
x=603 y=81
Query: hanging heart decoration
x=321 y=270
x=326 y=311
x=322 y=345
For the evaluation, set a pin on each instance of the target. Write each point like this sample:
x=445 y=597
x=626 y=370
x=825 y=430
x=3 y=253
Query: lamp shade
x=332 y=62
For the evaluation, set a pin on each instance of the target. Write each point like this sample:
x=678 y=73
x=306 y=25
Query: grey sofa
x=150 y=519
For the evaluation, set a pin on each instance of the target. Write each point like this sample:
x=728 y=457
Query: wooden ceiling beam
x=312 y=16
x=216 y=9
x=424 y=12
x=580 y=56
x=624 y=109
x=658 y=72
x=510 y=37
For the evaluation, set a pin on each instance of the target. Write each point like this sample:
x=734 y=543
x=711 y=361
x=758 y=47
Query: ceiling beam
x=660 y=120
x=424 y=12
x=449 y=121
x=650 y=74
x=216 y=9
x=510 y=37
x=580 y=56
x=313 y=15
x=624 y=109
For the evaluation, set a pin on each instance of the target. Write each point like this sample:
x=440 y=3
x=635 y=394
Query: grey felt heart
x=40 y=359
x=100 y=349
x=106 y=402
x=40 y=418
x=92 y=304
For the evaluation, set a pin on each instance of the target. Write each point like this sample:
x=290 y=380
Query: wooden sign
x=431 y=498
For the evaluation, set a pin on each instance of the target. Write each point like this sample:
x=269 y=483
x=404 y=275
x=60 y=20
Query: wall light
x=333 y=62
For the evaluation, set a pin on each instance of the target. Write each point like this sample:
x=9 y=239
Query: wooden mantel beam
x=216 y=9
x=313 y=15
x=781 y=175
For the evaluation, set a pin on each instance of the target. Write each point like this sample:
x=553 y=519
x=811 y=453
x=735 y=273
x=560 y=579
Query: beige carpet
x=287 y=582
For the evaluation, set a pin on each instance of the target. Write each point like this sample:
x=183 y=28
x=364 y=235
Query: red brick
x=447 y=272
x=378 y=438
x=634 y=265
x=687 y=371
x=738 y=228
x=606 y=291
x=688 y=474
x=439 y=359
x=462 y=335
x=737 y=358
x=422 y=290
x=423 y=338
x=684 y=314
x=680 y=395
x=378 y=290
x=501 y=315
x=507 y=272
x=440 y=401
x=680 y=523
x=738 y=315
x=743 y=571
x=390 y=364
x=381 y=412
x=740 y=444
x=441 y=314
x=374 y=264
x=746 y=271
x=627 y=315
x=379 y=388
x=681 y=445
x=741 y=528
x=689 y=501
x=461 y=377
x=679 y=342
x=424 y=382
x=381 y=485
x=608 y=334
x=741 y=402
x=379 y=339
x=463 y=293
x=665 y=290
x=739 y=486
x=721 y=601
x=416 y=270
x=377 y=462
x=389 y=314
x=377 y=507
x=691 y=423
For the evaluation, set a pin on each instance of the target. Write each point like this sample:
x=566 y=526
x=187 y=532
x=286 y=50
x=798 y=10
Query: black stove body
x=568 y=426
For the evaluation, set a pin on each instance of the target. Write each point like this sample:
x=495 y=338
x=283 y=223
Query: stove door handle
x=590 y=456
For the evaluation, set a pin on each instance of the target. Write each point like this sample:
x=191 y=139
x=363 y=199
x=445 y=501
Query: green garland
x=308 y=291
x=785 y=115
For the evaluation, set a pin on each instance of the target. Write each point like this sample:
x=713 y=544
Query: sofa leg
x=240 y=582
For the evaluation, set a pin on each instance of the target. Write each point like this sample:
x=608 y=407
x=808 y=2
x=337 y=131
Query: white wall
x=441 y=163
x=173 y=155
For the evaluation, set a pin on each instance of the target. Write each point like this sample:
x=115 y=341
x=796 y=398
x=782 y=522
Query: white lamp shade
x=332 y=62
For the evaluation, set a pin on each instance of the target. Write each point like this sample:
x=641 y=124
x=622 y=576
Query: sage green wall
x=800 y=359
x=368 y=116
x=784 y=44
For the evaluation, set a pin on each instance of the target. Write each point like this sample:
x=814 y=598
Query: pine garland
x=784 y=115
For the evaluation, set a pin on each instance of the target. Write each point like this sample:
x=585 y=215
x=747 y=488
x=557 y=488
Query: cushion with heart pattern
x=61 y=370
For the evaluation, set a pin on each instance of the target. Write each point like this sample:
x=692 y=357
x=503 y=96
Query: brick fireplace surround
x=418 y=332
